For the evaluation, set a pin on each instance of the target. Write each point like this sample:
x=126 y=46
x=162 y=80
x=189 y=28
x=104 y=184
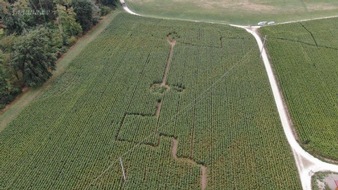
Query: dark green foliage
x=67 y=23
x=109 y=2
x=7 y=89
x=105 y=10
x=84 y=13
x=34 y=57
x=14 y=23
x=20 y=17
x=7 y=42
x=44 y=11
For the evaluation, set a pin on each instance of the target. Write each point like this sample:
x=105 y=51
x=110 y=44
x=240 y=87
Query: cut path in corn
x=203 y=168
x=172 y=43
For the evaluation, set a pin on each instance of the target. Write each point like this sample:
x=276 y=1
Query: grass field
x=214 y=110
x=304 y=56
x=247 y=12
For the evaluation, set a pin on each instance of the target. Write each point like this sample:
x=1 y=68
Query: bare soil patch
x=235 y=5
x=159 y=88
x=174 y=148
x=203 y=177
x=158 y=109
x=320 y=7
x=172 y=43
x=212 y=4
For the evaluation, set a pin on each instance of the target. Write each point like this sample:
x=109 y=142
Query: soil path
x=174 y=148
x=203 y=177
x=165 y=74
x=158 y=109
x=203 y=168
x=172 y=43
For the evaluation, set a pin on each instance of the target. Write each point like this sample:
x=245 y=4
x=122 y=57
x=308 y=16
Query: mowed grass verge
x=245 y=12
x=217 y=104
x=304 y=56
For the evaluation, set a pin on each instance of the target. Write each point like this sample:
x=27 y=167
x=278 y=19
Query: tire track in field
x=304 y=43
x=311 y=34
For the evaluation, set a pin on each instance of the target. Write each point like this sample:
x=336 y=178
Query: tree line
x=34 y=33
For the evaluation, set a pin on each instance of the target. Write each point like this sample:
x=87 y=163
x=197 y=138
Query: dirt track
x=203 y=168
x=172 y=43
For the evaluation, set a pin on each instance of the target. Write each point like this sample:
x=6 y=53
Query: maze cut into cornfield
x=304 y=56
x=185 y=105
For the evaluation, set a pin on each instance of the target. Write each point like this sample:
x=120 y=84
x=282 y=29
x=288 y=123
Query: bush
x=71 y=41
x=7 y=42
x=105 y=10
x=8 y=98
x=34 y=56
x=84 y=13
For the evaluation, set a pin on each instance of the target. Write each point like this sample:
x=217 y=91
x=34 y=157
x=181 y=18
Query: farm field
x=245 y=12
x=304 y=56
x=186 y=105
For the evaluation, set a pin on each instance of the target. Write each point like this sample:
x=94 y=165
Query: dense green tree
x=11 y=1
x=84 y=13
x=36 y=31
x=7 y=42
x=17 y=17
x=3 y=88
x=12 y=23
x=67 y=23
x=44 y=11
x=34 y=57
x=110 y=3
x=7 y=89
x=66 y=3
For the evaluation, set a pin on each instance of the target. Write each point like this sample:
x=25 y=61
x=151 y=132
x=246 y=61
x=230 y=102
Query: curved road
x=307 y=164
x=125 y=7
